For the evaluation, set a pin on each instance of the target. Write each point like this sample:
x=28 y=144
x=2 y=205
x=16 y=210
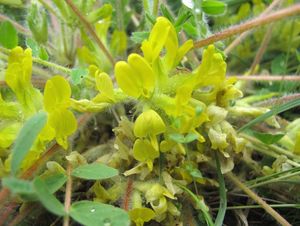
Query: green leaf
x=199 y=205
x=38 y=27
x=140 y=36
x=274 y=111
x=16 y=3
x=183 y=16
x=77 y=74
x=98 y=214
x=278 y=65
x=223 y=196
x=213 y=7
x=190 y=29
x=179 y=138
x=94 y=171
x=18 y=186
x=26 y=138
x=37 y=50
x=9 y=35
x=193 y=171
x=150 y=18
x=50 y=202
x=54 y=181
x=33 y=45
x=166 y=13
x=297 y=55
x=43 y=53
x=266 y=138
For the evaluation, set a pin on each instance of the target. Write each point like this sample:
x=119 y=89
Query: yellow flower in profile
x=61 y=121
x=136 y=78
x=149 y=123
x=163 y=34
x=18 y=78
x=146 y=127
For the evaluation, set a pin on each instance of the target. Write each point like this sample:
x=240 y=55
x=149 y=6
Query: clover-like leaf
x=98 y=214
x=26 y=138
x=47 y=199
x=94 y=171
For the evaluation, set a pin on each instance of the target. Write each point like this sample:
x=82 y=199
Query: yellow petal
x=157 y=39
x=64 y=123
x=212 y=69
x=144 y=72
x=57 y=94
x=143 y=151
x=104 y=85
x=187 y=46
x=141 y=215
x=148 y=123
x=18 y=78
x=127 y=79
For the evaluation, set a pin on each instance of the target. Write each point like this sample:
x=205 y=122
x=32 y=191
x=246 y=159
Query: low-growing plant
x=134 y=129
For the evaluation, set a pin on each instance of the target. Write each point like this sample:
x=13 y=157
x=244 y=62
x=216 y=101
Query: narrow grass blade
x=274 y=111
x=223 y=195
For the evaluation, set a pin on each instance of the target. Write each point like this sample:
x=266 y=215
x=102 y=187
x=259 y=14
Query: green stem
x=50 y=9
x=274 y=180
x=237 y=29
x=51 y=65
x=274 y=148
x=42 y=62
x=146 y=6
x=258 y=206
x=155 y=8
x=199 y=205
x=271 y=153
x=91 y=30
x=223 y=196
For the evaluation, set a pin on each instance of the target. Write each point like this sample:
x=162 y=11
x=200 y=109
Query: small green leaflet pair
x=85 y=212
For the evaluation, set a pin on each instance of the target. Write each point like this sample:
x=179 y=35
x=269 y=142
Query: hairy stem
x=240 y=38
x=19 y=27
x=42 y=62
x=257 y=199
x=268 y=77
x=155 y=8
x=262 y=48
x=237 y=29
x=91 y=30
x=68 y=195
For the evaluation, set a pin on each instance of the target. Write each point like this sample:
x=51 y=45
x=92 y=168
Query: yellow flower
x=136 y=78
x=143 y=151
x=149 y=123
x=163 y=34
x=61 y=121
x=18 y=78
